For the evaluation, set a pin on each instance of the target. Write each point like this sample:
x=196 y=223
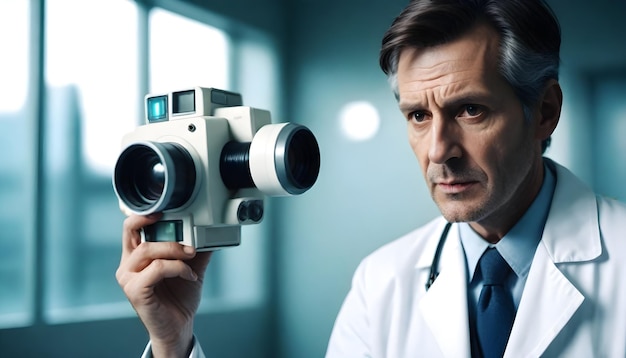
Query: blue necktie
x=495 y=312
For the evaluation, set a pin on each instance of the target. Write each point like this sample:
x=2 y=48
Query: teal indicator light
x=156 y=108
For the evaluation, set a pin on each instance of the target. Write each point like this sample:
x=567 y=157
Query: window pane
x=185 y=53
x=16 y=158
x=91 y=74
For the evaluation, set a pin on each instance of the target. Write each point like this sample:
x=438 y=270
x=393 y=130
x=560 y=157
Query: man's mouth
x=455 y=187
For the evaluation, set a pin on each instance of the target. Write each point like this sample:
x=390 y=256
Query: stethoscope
x=435 y=264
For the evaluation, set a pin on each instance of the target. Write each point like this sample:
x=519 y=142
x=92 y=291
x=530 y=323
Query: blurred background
x=72 y=79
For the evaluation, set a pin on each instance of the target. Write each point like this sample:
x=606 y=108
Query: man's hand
x=163 y=282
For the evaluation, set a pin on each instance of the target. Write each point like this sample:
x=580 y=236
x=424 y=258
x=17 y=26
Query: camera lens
x=298 y=159
x=284 y=159
x=151 y=177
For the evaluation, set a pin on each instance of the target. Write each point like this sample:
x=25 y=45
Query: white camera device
x=207 y=162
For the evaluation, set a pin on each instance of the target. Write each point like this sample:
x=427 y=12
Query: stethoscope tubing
x=434 y=272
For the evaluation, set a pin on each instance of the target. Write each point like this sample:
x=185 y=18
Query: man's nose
x=444 y=141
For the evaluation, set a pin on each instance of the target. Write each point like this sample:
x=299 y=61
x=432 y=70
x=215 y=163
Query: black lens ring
x=179 y=180
x=307 y=163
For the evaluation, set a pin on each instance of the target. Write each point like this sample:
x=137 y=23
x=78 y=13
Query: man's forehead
x=478 y=46
x=471 y=57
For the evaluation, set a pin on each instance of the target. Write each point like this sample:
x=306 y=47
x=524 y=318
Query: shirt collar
x=518 y=246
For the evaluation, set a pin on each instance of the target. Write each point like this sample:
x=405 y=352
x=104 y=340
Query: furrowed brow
x=406 y=107
x=467 y=98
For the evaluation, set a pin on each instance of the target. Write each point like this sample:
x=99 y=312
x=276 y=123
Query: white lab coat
x=573 y=304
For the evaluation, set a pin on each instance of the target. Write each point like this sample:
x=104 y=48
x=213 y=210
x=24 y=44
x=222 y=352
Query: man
x=477 y=82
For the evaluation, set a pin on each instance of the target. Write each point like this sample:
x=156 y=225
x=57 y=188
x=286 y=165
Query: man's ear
x=549 y=109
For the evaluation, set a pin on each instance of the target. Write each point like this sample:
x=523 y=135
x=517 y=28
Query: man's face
x=479 y=156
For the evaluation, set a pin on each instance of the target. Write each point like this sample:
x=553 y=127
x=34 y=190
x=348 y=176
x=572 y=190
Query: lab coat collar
x=549 y=300
x=572 y=233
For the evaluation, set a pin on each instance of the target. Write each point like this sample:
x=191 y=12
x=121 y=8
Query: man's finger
x=146 y=252
x=131 y=234
x=141 y=284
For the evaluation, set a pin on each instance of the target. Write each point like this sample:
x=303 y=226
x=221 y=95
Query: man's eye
x=417 y=117
x=472 y=110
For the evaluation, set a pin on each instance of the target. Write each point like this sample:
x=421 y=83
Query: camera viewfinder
x=184 y=102
x=157 y=109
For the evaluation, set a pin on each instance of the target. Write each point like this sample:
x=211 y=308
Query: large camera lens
x=284 y=159
x=151 y=177
x=297 y=159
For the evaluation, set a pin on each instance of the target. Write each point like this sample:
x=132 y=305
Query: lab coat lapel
x=549 y=301
x=444 y=306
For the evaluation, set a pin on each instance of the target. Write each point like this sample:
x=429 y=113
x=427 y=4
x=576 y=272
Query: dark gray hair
x=530 y=39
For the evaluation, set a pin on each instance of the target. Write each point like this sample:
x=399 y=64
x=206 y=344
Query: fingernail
x=189 y=249
x=194 y=276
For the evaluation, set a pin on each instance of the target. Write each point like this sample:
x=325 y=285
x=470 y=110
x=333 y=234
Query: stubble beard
x=491 y=203
x=454 y=208
x=460 y=207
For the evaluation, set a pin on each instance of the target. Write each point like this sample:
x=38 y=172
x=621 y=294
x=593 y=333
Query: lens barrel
x=297 y=158
x=235 y=165
x=282 y=159
x=152 y=177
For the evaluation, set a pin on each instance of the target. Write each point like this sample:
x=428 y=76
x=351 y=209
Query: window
x=16 y=178
x=92 y=86
x=185 y=53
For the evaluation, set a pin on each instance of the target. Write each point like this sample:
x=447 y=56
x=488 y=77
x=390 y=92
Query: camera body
x=207 y=162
